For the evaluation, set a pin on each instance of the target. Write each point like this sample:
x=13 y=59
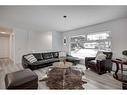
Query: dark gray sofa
x=46 y=59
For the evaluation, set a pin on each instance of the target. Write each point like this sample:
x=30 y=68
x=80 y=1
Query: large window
x=98 y=36
x=99 y=41
x=77 y=43
x=88 y=45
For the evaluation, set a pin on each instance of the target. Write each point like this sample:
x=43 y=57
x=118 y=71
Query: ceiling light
x=64 y=16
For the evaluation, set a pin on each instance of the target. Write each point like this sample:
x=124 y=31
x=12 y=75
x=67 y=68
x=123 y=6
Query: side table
x=119 y=76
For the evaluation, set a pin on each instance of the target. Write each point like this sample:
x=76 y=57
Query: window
x=91 y=45
x=100 y=41
x=98 y=36
x=77 y=43
x=87 y=45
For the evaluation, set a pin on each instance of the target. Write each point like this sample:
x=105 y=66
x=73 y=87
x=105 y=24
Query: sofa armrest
x=25 y=63
x=89 y=58
x=105 y=64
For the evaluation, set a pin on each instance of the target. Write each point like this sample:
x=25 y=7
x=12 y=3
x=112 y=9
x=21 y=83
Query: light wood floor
x=94 y=81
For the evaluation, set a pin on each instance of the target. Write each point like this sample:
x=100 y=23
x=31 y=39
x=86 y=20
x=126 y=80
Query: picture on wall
x=64 y=41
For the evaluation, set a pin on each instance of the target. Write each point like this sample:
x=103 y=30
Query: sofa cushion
x=38 y=56
x=30 y=58
x=50 y=60
x=47 y=55
x=54 y=59
x=46 y=61
x=72 y=58
x=55 y=54
x=93 y=62
x=99 y=52
x=39 y=62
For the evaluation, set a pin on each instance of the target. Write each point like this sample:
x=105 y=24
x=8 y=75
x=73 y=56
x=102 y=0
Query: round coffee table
x=62 y=64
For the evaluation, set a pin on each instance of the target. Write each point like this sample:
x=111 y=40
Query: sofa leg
x=109 y=71
x=99 y=73
x=86 y=67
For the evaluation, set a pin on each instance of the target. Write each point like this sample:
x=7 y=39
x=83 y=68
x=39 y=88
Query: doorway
x=6 y=46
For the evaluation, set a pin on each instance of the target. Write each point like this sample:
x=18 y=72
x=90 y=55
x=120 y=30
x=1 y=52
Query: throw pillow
x=62 y=54
x=38 y=56
x=47 y=55
x=55 y=54
x=31 y=58
x=100 y=57
x=99 y=52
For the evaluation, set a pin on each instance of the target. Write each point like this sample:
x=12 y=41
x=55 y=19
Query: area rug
x=58 y=78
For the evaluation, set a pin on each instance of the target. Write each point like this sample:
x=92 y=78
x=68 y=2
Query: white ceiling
x=50 y=18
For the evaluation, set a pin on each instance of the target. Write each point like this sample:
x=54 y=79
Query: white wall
x=4 y=47
x=118 y=30
x=33 y=42
x=39 y=41
x=57 y=41
x=21 y=44
x=27 y=41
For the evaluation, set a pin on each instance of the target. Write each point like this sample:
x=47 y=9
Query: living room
x=65 y=37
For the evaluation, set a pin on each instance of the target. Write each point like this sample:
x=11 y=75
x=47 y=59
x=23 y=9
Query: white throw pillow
x=100 y=57
x=99 y=52
x=31 y=58
x=62 y=54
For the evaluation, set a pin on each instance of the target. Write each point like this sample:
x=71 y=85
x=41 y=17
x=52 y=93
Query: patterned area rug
x=71 y=78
